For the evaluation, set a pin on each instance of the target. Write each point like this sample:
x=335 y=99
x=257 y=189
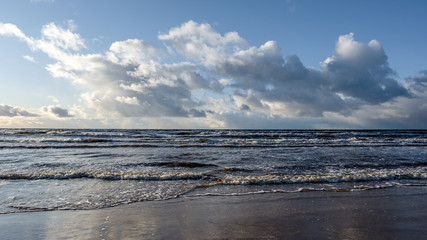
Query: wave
x=104 y=143
x=78 y=146
x=96 y=140
x=183 y=164
x=359 y=166
x=199 y=184
x=69 y=175
x=270 y=179
x=49 y=165
x=172 y=164
x=228 y=178
x=234 y=169
x=69 y=138
x=188 y=192
x=242 y=134
x=298 y=190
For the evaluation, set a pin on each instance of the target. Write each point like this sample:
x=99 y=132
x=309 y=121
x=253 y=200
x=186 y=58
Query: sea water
x=64 y=169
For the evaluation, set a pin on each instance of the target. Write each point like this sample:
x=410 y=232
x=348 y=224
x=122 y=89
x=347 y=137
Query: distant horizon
x=213 y=64
x=235 y=129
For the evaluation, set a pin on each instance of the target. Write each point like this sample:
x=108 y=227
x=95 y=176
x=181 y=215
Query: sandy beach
x=394 y=213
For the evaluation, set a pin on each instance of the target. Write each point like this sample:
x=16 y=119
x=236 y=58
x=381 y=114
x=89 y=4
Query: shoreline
x=392 y=213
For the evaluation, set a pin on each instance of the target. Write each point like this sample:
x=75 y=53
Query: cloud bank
x=10 y=111
x=213 y=80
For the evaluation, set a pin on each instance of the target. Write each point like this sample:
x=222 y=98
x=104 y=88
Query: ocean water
x=64 y=169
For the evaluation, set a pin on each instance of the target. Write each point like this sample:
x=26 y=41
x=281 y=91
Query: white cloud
x=221 y=81
x=128 y=100
x=137 y=87
x=202 y=43
x=57 y=42
x=54 y=99
x=29 y=58
x=61 y=38
x=134 y=51
x=8 y=29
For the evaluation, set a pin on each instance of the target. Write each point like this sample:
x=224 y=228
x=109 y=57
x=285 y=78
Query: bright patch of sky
x=213 y=64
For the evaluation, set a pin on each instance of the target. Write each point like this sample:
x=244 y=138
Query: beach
x=391 y=213
x=214 y=120
x=213 y=184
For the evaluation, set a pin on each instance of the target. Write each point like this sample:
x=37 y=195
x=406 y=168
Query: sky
x=289 y=64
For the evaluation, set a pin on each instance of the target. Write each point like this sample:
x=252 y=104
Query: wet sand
x=393 y=213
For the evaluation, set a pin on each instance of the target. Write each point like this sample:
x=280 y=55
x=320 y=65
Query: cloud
x=220 y=78
x=10 y=111
x=161 y=89
x=57 y=111
x=418 y=83
x=29 y=58
x=362 y=71
x=55 y=41
x=128 y=100
x=53 y=99
x=57 y=37
x=355 y=75
x=202 y=43
x=133 y=51
x=8 y=29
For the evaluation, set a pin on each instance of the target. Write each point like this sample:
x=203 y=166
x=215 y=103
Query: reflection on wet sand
x=377 y=214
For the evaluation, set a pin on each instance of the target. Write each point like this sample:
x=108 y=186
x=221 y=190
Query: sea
x=81 y=169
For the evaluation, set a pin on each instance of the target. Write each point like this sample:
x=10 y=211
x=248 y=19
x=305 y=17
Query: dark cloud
x=418 y=82
x=9 y=111
x=244 y=107
x=362 y=71
x=355 y=75
x=57 y=111
x=197 y=113
x=247 y=120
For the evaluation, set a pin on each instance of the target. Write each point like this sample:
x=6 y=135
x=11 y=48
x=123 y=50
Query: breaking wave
x=229 y=179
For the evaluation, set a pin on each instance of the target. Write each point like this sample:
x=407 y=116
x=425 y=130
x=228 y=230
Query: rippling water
x=53 y=169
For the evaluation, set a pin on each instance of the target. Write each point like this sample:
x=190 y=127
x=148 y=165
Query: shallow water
x=53 y=169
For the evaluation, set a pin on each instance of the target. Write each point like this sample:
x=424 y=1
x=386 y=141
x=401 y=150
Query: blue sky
x=213 y=64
